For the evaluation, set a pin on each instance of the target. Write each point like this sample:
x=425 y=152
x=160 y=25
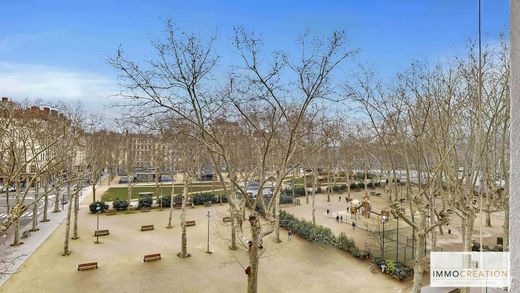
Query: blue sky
x=58 y=49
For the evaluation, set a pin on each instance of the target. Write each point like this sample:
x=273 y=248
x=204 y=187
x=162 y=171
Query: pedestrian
x=339 y=199
x=337 y=218
x=289 y=235
x=341 y=218
x=328 y=211
x=353 y=225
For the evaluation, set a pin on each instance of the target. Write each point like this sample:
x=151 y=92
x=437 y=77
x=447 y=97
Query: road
x=26 y=218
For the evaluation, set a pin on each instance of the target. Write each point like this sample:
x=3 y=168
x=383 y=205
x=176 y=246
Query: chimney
x=46 y=110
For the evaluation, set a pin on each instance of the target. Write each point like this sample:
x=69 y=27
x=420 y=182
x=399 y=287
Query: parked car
x=8 y=188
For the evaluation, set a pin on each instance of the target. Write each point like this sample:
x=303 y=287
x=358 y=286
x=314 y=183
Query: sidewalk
x=23 y=252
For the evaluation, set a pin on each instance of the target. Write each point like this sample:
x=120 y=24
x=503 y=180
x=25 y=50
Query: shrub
x=202 y=198
x=390 y=267
x=397 y=270
x=401 y=271
x=145 y=202
x=103 y=206
x=284 y=199
x=378 y=261
x=120 y=205
x=165 y=201
x=344 y=242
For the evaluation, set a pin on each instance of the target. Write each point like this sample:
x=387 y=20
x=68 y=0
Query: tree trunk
x=488 y=213
x=76 y=210
x=419 y=251
x=16 y=240
x=35 y=210
x=45 y=199
x=305 y=187
x=468 y=240
x=252 y=274
x=67 y=226
x=329 y=188
x=313 y=199
x=56 y=199
x=348 y=185
x=93 y=191
x=171 y=205
x=7 y=203
x=233 y=228
x=157 y=195
x=184 y=241
x=129 y=189
x=418 y=269
x=277 y=219
x=505 y=228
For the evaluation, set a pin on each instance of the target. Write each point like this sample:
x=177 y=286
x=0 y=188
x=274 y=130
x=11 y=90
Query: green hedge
x=320 y=234
x=198 y=199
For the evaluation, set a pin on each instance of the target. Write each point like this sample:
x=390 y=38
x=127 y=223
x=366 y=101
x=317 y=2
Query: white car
x=9 y=188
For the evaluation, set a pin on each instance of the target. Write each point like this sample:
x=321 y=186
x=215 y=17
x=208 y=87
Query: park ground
x=291 y=266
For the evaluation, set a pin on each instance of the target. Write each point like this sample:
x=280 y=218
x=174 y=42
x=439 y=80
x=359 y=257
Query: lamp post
x=207 y=249
x=98 y=210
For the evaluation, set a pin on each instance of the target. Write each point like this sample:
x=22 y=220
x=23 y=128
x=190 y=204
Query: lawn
x=121 y=192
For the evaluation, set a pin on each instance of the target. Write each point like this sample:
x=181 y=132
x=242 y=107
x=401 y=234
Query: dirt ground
x=291 y=266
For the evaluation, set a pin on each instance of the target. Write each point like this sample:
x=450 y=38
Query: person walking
x=341 y=219
x=339 y=198
x=328 y=211
x=337 y=218
x=353 y=225
x=289 y=235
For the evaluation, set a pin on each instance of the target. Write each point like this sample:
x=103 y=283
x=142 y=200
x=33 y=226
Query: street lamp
x=98 y=210
x=207 y=250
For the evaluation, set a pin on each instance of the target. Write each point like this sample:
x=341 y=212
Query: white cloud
x=18 y=80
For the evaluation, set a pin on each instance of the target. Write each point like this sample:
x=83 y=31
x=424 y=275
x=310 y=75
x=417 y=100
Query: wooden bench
x=110 y=213
x=177 y=206
x=207 y=203
x=101 y=232
x=190 y=223
x=152 y=257
x=87 y=266
x=147 y=227
x=226 y=219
